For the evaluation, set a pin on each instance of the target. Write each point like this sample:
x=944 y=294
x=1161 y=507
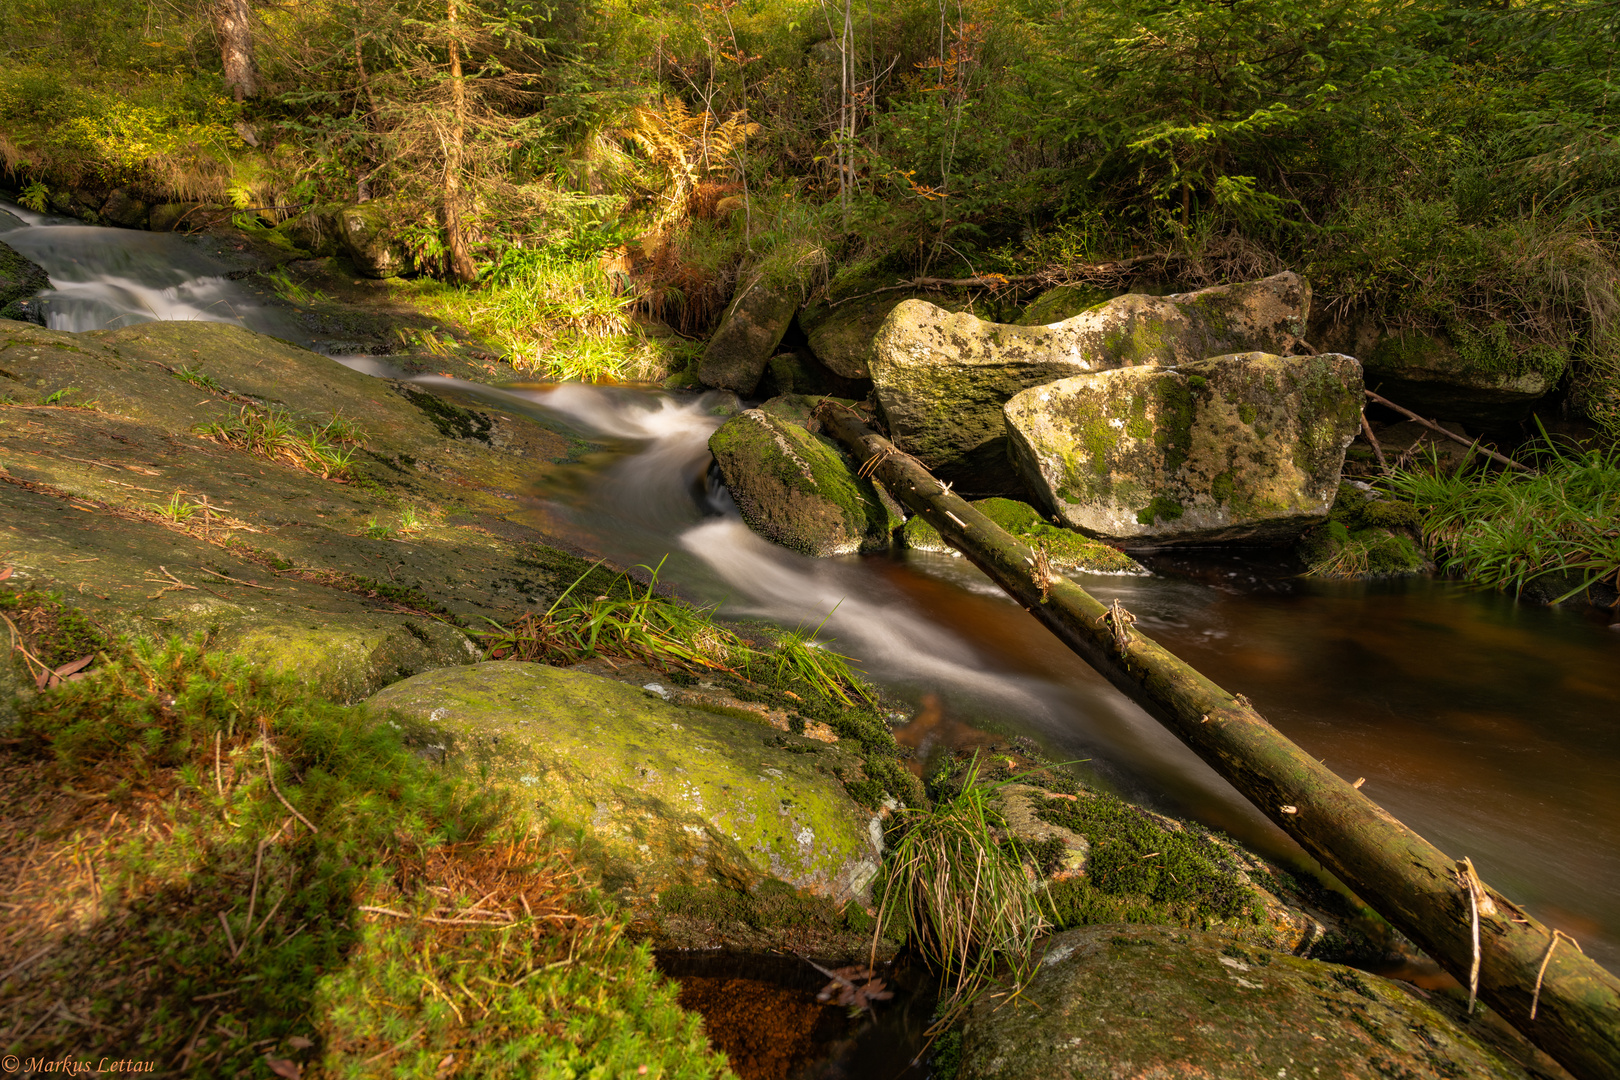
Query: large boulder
x=794 y=488
x=942 y=379
x=673 y=796
x=20 y=278
x=1061 y=302
x=1482 y=379
x=840 y=328
x=1235 y=448
x=316 y=231
x=1115 y=1001
x=368 y=236
x=749 y=333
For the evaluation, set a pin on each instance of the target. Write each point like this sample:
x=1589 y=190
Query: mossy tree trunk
x=1420 y=890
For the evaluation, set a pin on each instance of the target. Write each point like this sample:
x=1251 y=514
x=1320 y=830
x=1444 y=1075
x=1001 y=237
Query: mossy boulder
x=1067 y=549
x=317 y=231
x=750 y=331
x=794 y=488
x=368 y=232
x=20 y=277
x=1140 y=1001
x=1482 y=378
x=942 y=379
x=124 y=208
x=671 y=796
x=1368 y=534
x=1234 y=448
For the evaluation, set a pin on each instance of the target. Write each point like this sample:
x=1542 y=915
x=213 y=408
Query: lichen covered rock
x=1235 y=448
x=368 y=236
x=795 y=488
x=1061 y=302
x=942 y=379
x=673 y=796
x=1142 y=1001
x=1067 y=549
x=749 y=333
x=1367 y=535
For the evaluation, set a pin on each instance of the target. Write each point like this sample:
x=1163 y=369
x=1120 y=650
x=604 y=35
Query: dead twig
x=1372 y=441
x=1535 y=999
x=270 y=775
x=1472 y=444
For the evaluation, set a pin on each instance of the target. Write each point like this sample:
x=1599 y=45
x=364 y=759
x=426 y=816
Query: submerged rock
x=749 y=333
x=1067 y=549
x=672 y=796
x=942 y=379
x=368 y=236
x=795 y=488
x=1145 y=1001
x=1234 y=448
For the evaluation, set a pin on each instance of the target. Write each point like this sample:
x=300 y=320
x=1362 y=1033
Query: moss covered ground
x=210 y=868
x=1365 y=538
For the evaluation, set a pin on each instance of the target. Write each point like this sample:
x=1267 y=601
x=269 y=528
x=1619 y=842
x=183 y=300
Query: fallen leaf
x=67 y=669
x=282 y=1067
x=298 y=1042
x=6 y=572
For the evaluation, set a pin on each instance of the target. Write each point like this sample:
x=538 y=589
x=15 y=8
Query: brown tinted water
x=1490 y=727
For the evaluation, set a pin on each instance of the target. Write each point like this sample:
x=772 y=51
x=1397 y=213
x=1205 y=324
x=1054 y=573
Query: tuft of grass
x=284 y=888
x=800 y=660
x=412 y=521
x=1506 y=530
x=377 y=530
x=273 y=434
x=59 y=397
x=177 y=509
x=291 y=291
x=965 y=893
x=200 y=379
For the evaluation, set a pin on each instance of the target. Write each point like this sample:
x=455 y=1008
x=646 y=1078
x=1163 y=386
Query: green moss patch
x=262 y=876
x=1365 y=538
x=1141 y=871
x=1064 y=547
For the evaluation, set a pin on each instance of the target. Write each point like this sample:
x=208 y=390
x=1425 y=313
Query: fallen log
x=1561 y=1000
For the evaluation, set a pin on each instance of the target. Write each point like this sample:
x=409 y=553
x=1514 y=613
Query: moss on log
x=1418 y=888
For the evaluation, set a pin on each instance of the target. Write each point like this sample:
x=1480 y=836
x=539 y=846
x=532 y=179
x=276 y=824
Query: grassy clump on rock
x=1366 y=535
x=211 y=867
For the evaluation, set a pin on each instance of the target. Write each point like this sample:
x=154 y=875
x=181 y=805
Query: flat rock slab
x=674 y=796
x=1114 y=1002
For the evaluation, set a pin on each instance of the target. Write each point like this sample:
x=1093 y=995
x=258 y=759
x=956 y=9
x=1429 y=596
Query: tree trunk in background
x=455 y=237
x=233 y=21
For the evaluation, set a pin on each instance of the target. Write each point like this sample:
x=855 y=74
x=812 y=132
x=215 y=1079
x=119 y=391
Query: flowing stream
x=1490 y=727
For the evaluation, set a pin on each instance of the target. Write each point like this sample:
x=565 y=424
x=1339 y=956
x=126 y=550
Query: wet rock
x=368 y=236
x=1138 y=1001
x=794 y=488
x=1067 y=549
x=749 y=333
x=20 y=278
x=1485 y=386
x=1235 y=448
x=9 y=221
x=673 y=796
x=124 y=208
x=942 y=379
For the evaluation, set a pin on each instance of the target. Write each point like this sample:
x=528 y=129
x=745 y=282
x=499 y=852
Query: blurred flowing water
x=1490 y=727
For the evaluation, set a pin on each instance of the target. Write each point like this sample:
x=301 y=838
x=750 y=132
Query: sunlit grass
x=327 y=450
x=1507 y=529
